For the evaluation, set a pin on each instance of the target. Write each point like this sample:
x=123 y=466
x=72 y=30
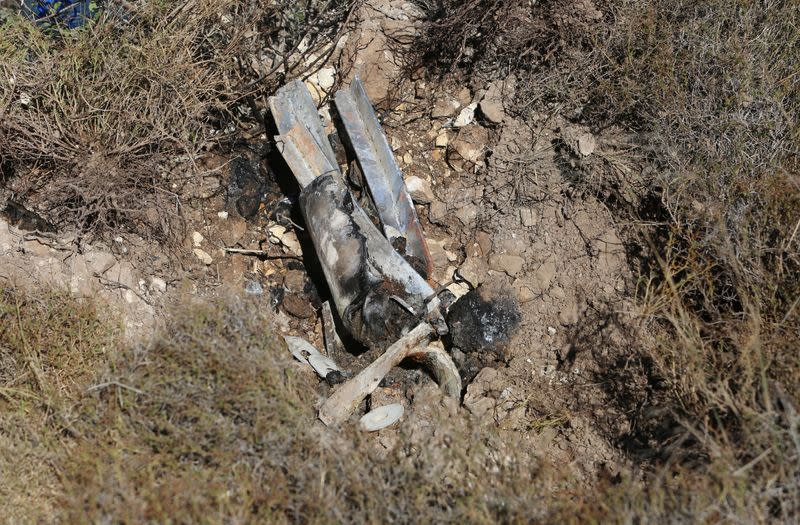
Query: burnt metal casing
x=378 y=295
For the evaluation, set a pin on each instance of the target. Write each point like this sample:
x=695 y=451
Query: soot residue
x=483 y=321
x=246 y=188
x=17 y=215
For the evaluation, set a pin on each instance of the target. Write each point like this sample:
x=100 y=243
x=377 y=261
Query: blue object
x=69 y=14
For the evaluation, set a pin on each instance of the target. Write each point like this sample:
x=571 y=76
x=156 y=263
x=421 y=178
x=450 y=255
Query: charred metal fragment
x=381 y=299
x=365 y=275
x=483 y=320
x=301 y=140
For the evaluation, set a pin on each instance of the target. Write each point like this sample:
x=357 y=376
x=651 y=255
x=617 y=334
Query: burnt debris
x=375 y=264
x=483 y=320
x=18 y=215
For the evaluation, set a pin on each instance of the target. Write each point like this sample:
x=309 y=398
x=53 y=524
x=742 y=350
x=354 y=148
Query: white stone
x=419 y=189
x=325 y=78
x=158 y=284
x=197 y=239
x=528 y=217
x=466 y=117
x=381 y=417
x=204 y=257
x=290 y=241
x=441 y=140
x=459 y=290
x=586 y=144
x=276 y=232
x=222 y=215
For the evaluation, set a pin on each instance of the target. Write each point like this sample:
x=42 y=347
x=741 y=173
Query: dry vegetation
x=93 y=122
x=710 y=92
x=210 y=423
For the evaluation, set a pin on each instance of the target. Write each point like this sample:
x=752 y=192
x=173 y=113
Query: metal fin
x=301 y=137
x=380 y=169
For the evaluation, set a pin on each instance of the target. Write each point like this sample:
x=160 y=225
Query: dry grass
x=212 y=423
x=709 y=95
x=97 y=124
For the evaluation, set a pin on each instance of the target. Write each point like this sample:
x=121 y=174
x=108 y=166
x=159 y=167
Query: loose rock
x=204 y=257
x=290 y=241
x=523 y=291
x=297 y=307
x=474 y=271
x=276 y=232
x=158 y=284
x=438 y=253
x=544 y=275
x=466 y=117
x=233 y=231
x=253 y=288
x=197 y=239
x=467 y=214
x=468 y=148
x=586 y=144
x=491 y=105
x=528 y=217
x=419 y=189
x=445 y=106
x=510 y=264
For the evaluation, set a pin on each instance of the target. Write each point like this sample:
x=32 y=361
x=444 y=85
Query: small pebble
x=253 y=288
x=158 y=284
x=204 y=257
x=197 y=238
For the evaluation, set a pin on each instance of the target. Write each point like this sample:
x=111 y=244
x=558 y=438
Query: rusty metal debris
x=379 y=294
